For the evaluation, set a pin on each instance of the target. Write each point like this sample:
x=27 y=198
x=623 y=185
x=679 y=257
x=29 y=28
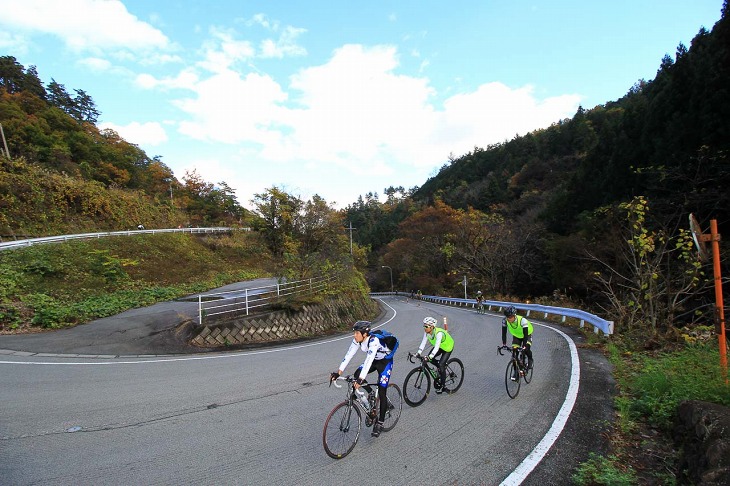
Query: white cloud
x=231 y=109
x=186 y=79
x=354 y=112
x=95 y=64
x=223 y=50
x=495 y=112
x=83 y=24
x=150 y=133
x=286 y=45
x=13 y=42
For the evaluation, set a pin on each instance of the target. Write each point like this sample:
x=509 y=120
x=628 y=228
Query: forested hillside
x=581 y=208
x=61 y=174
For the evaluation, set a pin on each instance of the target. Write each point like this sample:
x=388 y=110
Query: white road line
x=189 y=358
x=536 y=455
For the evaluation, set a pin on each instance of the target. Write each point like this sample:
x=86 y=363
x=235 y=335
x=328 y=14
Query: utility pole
x=465 y=287
x=5 y=143
x=351 y=230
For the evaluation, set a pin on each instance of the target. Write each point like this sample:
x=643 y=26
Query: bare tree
x=651 y=278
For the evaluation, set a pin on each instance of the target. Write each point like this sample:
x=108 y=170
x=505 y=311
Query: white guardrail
x=598 y=323
x=245 y=300
x=10 y=245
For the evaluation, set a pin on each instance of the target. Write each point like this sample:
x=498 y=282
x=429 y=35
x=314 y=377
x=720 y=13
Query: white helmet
x=429 y=321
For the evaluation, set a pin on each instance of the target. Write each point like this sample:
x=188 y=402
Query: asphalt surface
x=153 y=403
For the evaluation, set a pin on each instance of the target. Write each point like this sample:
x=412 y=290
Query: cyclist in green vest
x=521 y=330
x=443 y=345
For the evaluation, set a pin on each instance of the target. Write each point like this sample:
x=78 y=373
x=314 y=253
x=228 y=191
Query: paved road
x=255 y=417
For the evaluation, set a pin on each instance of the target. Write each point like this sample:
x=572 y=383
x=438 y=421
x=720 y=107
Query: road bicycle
x=344 y=423
x=481 y=309
x=517 y=369
x=417 y=384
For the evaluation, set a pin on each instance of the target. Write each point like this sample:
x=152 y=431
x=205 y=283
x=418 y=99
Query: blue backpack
x=388 y=340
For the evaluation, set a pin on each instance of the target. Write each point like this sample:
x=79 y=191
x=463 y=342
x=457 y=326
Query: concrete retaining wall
x=311 y=320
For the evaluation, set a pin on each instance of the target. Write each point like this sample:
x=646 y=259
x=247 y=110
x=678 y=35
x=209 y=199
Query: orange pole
x=718 y=295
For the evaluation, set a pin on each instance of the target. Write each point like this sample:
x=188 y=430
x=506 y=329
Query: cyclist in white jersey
x=376 y=360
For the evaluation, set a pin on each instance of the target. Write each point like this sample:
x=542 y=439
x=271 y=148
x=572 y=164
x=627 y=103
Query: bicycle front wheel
x=395 y=406
x=512 y=379
x=341 y=430
x=416 y=387
x=454 y=374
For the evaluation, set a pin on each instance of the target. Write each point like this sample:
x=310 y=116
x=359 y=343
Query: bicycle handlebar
x=334 y=382
x=348 y=379
x=507 y=348
x=411 y=356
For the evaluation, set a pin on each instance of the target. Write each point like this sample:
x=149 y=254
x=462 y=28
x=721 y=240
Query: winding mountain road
x=256 y=417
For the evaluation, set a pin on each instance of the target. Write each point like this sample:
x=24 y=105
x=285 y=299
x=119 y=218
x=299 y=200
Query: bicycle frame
x=352 y=398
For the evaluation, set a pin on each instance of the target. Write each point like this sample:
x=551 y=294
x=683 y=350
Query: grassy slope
x=57 y=285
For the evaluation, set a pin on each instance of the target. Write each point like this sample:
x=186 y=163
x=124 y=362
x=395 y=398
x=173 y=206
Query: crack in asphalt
x=181 y=413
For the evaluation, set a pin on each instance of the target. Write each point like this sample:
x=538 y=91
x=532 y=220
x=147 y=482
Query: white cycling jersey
x=374 y=349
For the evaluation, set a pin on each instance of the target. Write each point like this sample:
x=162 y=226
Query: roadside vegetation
x=58 y=285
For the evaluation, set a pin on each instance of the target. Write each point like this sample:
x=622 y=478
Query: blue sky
x=340 y=98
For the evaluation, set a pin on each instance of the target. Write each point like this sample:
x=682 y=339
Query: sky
x=340 y=98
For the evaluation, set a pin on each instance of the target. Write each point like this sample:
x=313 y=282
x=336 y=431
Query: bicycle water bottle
x=363 y=398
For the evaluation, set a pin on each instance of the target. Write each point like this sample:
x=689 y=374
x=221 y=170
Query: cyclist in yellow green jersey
x=443 y=345
x=521 y=330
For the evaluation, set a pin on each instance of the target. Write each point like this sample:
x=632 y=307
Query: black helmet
x=510 y=311
x=362 y=326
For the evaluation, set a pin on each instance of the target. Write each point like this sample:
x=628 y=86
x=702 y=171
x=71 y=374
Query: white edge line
x=192 y=358
x=536 y=455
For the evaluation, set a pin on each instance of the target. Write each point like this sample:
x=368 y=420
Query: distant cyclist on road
x=375 y=361
x=443 y=345
x=480 y=300
x=521 y=330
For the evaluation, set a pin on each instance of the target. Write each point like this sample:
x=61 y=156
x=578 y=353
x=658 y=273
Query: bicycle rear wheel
x=395 y=406
x=526 y=369
x=416 y=387
x=341 y=430
x=454 y=374
x=512 y=384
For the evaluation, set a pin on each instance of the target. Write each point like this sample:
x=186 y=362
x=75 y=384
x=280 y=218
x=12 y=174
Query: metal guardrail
x=11 y=245
x=245 y=300
x=598 y=323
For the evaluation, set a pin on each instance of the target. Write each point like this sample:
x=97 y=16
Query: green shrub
x=599 y=470
x=110 y=267
x=9 y=316
x=664 y=381
x=48 y=312
x=8 y=281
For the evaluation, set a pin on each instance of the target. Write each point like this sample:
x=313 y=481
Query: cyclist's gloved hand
x=333 y=376
x=418 y=355
x=359 y=381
